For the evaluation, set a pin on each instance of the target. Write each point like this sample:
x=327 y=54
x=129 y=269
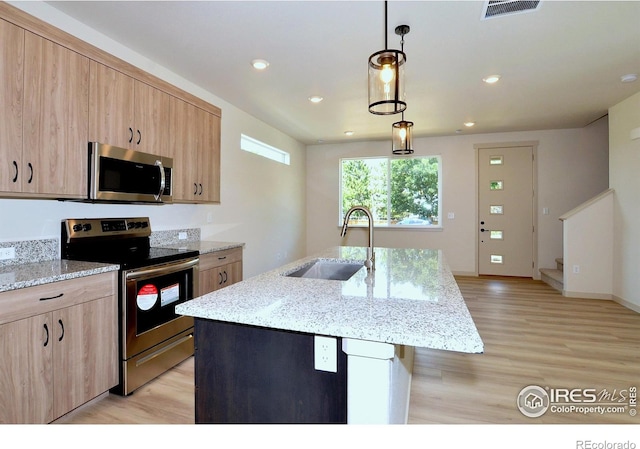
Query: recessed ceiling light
x=348 y=133
x=260 y=64
x=469 y=124
x=629 y=78
x=491 y=79
x=315 y=99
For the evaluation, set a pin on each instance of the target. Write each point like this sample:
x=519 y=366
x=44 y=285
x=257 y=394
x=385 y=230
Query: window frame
x=388 y=224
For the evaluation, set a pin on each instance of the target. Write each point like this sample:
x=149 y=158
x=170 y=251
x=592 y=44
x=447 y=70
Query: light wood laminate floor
x=532 y=336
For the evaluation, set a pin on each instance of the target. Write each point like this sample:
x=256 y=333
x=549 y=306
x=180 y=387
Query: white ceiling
x=560 y=65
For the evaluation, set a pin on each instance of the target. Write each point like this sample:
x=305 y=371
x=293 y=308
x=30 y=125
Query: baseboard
x=569 y=294
x=465 y=273
x=627 y=304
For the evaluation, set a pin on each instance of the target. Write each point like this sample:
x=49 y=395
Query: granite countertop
x=13 y=277
x=21 y=275
x=204 y=246
x=411 y=299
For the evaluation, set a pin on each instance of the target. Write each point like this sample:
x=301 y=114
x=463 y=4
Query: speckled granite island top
x=13 y=277
x=411 y=299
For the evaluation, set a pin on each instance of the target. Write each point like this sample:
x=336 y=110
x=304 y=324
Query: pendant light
x=401 y=136
x=386 y=78
x=402 y=131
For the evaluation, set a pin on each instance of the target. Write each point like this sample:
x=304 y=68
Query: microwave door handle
x=162 y=180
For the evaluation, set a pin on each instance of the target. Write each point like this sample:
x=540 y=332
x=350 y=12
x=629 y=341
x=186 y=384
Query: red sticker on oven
x=147 y=296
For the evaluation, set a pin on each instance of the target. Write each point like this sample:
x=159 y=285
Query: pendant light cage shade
x=402 y=137
x=386 y=82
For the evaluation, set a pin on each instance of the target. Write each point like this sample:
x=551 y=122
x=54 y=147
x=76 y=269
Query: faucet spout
x=370 y=262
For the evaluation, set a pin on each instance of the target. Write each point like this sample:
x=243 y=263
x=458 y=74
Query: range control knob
x=77 y=227
x=86 y=227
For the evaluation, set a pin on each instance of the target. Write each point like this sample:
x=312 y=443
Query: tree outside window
x=399 y=192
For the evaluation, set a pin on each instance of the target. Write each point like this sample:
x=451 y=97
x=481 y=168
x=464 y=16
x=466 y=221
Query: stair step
x=553 y=277
x=560 y=263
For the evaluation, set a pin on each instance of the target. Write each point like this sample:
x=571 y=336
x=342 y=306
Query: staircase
x=554 y=276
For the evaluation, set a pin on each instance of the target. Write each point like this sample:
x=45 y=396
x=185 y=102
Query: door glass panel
x=495 y=209
x=495 y=185
x=496 y=235
x=495 y=160
x=496 y=258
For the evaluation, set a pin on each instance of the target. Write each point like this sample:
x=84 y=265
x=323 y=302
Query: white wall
x=262 y=202
x=588 y=248
x=572 y=167
x=624 y=170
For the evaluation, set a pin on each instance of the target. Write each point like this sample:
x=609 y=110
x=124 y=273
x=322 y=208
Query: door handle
x=15 y=165
x=46 y=330
x=62 y=329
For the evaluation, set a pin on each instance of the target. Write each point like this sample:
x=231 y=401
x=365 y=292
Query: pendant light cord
x=386 y=46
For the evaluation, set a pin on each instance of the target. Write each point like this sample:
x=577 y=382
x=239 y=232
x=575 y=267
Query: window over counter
x=262 y=149
x=400 y=192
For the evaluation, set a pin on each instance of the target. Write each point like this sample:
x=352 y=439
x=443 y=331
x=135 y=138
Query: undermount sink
x=326 y=269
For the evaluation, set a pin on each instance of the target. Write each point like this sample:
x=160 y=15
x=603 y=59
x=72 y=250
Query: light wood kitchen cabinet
x=58 y=346
x=11 y=95
x=58 y=93
x=195 y=145
x=220 y=269
x=127 y=113
x=44 y=139
x=55 y=125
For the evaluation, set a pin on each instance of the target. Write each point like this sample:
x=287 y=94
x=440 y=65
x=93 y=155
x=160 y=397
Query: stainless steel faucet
x=370 y=262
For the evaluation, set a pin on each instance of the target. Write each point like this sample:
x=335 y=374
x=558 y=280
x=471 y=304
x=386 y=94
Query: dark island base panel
x=253 y=375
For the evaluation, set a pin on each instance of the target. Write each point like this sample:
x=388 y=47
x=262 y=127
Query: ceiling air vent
x=497 y=8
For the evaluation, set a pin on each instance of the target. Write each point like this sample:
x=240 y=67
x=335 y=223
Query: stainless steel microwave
x=121 y=175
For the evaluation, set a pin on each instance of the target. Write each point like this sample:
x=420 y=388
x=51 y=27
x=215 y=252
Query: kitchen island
x=256 y=339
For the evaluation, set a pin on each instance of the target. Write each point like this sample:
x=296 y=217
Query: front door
x=505 y=211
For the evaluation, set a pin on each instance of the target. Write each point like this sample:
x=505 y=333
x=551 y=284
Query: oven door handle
x=163 y=269
x=162 y=180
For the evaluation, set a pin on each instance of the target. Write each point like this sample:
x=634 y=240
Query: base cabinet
x=220 y=269
x=55 y=361
x=254 y=375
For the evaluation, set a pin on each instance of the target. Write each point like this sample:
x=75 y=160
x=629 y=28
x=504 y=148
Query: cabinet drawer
x=30 y=301
x=220 y=258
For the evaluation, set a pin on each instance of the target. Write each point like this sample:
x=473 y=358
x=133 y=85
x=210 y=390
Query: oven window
x=157 y=297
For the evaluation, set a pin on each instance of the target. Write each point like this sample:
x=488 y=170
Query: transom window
x=400 y=192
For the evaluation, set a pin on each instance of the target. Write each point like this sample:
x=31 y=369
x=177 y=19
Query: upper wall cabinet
x=58 y=93
x=127 y=113
x=55 y=125
x=195 y=148
x=11 y=97
x=46 y=86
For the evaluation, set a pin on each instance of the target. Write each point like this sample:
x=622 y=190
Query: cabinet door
x=111 y=106
x=229 y=274
x=183 y=146
x=195 y=141
x=25 y=371
x=56 y=118
x=151 y=120
x=85 y=353
x=11 y=97
x=209 y=169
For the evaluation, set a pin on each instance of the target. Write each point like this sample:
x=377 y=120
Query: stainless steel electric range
x=153 y=280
